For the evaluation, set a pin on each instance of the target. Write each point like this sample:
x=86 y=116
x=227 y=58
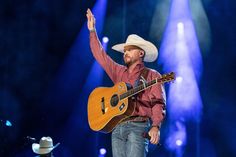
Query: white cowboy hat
x=150 y=49
x=45 y=146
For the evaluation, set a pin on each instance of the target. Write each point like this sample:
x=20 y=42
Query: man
x=45 y=147
x=127 y=139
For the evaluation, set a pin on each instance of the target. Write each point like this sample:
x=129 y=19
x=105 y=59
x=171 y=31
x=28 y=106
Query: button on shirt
x=151 y=102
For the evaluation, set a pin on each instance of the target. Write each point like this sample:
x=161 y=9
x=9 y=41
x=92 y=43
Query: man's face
x=132 y=54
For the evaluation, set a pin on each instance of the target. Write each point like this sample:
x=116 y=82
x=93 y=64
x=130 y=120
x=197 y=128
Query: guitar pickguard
x=121 y=106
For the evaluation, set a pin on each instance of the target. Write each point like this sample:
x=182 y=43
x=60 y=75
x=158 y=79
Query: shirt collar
x=139 y=67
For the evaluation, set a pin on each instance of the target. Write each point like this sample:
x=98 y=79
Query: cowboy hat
x=150 y=49
x=45 y=146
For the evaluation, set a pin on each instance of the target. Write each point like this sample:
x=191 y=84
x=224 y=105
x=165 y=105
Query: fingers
x=91 y=19
x=89 y=14
x=154 y=137
x=89 y=11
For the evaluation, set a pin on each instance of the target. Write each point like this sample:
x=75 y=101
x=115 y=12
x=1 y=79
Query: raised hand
x=91 y=20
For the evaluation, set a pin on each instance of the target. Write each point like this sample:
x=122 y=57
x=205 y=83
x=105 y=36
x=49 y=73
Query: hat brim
x=151 y=51
x=36 y=149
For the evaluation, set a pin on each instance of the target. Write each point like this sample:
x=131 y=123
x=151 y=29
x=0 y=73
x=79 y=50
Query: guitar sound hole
x=114 y=100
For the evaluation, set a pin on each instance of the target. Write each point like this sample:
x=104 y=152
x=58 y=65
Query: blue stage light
x=105 y=39
x=8 y=123
x=179 y=79
x=179 y=142
x=180 y=53
x=102 y=151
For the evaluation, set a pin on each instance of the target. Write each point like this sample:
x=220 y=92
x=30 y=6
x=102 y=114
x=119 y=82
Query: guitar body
x=106 y=110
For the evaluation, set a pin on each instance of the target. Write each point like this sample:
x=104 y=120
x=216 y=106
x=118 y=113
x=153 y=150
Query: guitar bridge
x=103 y=105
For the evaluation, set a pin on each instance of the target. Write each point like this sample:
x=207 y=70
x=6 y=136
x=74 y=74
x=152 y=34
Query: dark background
x=35 y=39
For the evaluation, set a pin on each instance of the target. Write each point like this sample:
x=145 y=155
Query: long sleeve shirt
x=151 y=102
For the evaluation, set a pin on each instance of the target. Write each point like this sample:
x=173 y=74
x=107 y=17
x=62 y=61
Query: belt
x=136 y=119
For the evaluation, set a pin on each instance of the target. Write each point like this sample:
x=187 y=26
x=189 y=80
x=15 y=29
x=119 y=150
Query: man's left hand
x=154 y=133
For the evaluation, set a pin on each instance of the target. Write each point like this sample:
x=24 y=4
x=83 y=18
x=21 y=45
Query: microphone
x=146 y=135
x=31 y=138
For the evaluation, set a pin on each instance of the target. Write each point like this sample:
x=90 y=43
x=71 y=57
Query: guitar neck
x=138 y=89
x=164 y=78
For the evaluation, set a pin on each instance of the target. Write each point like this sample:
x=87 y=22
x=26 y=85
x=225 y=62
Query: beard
x=129 y=61
x=127 y=64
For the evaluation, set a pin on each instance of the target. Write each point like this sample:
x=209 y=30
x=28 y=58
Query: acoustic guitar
x=108 y=106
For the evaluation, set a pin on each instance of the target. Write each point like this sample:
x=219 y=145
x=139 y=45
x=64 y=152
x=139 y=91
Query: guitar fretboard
x=137 y=89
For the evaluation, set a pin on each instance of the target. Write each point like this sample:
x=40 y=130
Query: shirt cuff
x=155 y=125
x=92 y=30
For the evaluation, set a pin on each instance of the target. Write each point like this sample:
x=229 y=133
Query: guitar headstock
x=167 y=77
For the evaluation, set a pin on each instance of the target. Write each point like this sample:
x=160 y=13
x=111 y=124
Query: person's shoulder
x=154 y=72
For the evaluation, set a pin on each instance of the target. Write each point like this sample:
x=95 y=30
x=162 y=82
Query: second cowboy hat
x=150 y=49
x=45 y=146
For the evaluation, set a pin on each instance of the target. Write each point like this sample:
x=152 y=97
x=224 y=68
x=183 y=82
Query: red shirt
x=151 y=102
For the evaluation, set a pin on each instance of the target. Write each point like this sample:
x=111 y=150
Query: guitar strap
x=144 y=74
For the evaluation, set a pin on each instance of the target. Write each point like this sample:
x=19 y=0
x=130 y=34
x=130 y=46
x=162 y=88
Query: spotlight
x=180 y=27
x=102 y=151
x=8 y=123
x=179 y=142
x=105 y=39
x=179 y=79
